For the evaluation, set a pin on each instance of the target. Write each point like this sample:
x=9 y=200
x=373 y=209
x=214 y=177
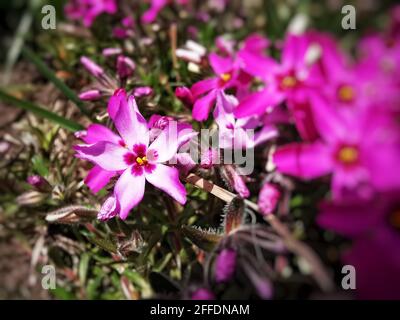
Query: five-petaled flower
x=133 y=157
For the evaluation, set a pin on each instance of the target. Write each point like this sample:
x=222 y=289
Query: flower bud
x=111 y=51
x=185 y=96
x=225 y=265
x=209 y=158
x=202 y=294
x=92 y=67
x=90 y=95
x=140 y=92
x=108 y=209
x=125 y=67
x=40 y=183
x=268 y=198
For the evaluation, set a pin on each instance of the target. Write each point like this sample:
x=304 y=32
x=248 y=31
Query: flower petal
x=166 y=144
x=257 y=103
x=98 y=178
x=97 y=132
x=106 y=155
x=203 y=86
x=220 y=64
x=131 y=125
x=129 y=191
x=202 y=106
x=305 y=161
x=167 y=179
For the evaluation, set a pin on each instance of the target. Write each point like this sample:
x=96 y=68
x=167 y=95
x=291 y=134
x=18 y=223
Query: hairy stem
x=319 y=271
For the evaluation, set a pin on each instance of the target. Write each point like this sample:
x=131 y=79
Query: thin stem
x=320 y=274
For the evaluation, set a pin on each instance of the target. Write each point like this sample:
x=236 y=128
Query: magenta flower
x=229 y=74
x=131 y=155
x=88 y=10
x=238 y=134
x=293 y=80
x=361 y=161
x=374 y=228
x=225 y=265
x=268 y=198
x=202 y=294
x=155 y=7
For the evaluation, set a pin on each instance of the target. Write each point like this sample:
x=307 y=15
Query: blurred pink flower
x=88 y=10
x=361 y=161
x=268 y=198
x=374 y=228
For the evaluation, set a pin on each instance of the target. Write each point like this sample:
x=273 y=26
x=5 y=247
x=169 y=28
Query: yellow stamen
x=141 y=161
x=289 y=82
x=226 y=77
x=348 y=155
x=346 y=93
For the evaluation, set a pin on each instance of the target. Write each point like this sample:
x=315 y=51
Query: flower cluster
x=317 y=112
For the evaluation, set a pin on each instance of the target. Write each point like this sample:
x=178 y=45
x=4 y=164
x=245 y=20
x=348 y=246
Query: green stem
x=26 y=105
x=50 y=75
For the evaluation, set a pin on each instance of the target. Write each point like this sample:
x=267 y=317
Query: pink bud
x=108 y=209
x=268 y=198
x=209 y=158
x=39 y=183
x=80 y=134
x=235 y=180
x=125 y=67
x=92 y=67
x=185 y=96
x=202 y=294
x=111 y=51
x=90 y=95
x=140 y=92
x=225 y=265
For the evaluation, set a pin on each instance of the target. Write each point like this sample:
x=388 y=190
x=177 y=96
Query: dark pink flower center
x=138 y=160
x=346 y=93
x=348 y=155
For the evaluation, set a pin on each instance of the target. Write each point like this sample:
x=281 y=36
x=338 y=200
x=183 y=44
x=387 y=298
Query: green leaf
x=29 y=106
x=50 y=75
x=83 y=267
x=40 y=166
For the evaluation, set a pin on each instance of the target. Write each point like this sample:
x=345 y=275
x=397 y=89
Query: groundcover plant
x=187 y=149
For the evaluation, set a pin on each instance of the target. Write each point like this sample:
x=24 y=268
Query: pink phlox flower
x=133 y=157
x=373 y=226
x=359 y=153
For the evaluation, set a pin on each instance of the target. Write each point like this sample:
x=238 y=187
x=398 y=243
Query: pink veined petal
x=166 y=144
x=220 y=64
x=97 y=132
x=222 y=116
x=202 y=106
x=131 y=125
x=294 y=50
x=106 y=155
x=129 y=191
x=167 y=179
x=329 y=125
x=116 y=100
x=203 y=86
x=98 y=178
x=256 y=65
x=257 y=103
x=306 y=161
